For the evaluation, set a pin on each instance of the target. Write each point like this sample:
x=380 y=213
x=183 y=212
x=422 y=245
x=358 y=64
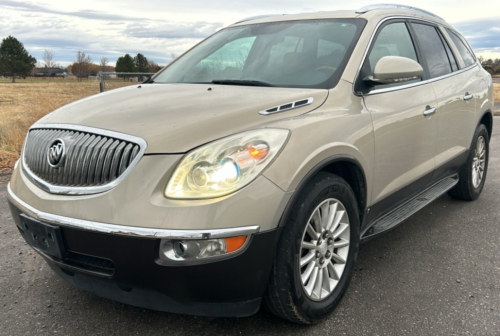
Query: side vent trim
x=287 y=106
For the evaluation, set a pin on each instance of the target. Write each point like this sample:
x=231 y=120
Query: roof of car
x=368 y=13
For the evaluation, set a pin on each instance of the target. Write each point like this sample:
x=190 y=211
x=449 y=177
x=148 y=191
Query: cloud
x=481 y=34
x=196 y=30
x=158 y=27
x=98 y=33
x=85 y=14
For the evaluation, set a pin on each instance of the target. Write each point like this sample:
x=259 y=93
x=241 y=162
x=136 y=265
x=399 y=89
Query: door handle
x=468 y=96
x=429 y=111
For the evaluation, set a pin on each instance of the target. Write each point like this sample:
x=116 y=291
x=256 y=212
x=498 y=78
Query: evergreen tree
x=141 y=63
x=14 y=59
x=125 y=64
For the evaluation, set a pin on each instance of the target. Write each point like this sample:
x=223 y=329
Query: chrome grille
x=94 y=160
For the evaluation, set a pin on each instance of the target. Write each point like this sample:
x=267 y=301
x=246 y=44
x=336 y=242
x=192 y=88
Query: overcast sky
x=112 y=28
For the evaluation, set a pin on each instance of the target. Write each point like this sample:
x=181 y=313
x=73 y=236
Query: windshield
x=309 y=54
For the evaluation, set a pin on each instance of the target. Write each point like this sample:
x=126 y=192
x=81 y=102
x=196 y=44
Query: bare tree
x=47 y=57
x=81 y=67
x=153 y=67
x=103 y=63
x=173 y=56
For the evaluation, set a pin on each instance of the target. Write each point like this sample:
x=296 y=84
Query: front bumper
x=125 y=268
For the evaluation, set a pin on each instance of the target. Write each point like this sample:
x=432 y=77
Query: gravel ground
x=436 y=274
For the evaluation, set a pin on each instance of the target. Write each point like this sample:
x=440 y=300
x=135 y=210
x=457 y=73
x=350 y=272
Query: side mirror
x=395 y=69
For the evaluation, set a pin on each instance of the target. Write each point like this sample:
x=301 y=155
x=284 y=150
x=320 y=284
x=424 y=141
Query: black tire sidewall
x=326 y=186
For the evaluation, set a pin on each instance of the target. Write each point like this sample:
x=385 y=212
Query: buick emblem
x=56 y=153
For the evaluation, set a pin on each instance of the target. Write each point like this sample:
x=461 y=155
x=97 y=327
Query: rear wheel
x=473 y=173
x=316 y=252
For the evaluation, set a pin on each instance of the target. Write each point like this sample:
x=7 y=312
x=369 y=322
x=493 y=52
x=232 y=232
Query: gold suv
x=249 y=170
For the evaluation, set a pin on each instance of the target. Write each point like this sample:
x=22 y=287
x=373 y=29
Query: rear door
x=455 y=97
x=404 y=137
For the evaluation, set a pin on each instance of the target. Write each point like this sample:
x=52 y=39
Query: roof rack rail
x=257 y=17
x=391 y=6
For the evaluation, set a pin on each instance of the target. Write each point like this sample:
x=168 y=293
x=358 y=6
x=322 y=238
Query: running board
x=409 y=208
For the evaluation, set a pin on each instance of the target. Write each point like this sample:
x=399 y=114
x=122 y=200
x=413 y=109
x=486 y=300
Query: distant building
x=50 y=72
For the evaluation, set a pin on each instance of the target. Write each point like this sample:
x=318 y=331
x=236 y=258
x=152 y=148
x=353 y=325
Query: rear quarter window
x=462 y=48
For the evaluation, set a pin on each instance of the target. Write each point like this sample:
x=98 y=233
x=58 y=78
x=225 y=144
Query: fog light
x=193 y=250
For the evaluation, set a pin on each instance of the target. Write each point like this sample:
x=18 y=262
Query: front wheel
x=316 y=253
x=473 y=174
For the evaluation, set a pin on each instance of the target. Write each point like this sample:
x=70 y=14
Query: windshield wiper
x=241 y=82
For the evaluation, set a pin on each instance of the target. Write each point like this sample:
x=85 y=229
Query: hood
x=174 y=118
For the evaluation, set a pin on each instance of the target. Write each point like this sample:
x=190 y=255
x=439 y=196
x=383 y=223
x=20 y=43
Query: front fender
x=319 y=137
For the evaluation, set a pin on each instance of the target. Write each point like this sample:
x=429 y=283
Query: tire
x=286 y=295
x=468 y=188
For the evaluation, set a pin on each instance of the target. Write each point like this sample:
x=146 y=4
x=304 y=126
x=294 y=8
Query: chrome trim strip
x=127 y=230
x=432 y=80
x=278 y=110
x=83 y=190
x=406 y=86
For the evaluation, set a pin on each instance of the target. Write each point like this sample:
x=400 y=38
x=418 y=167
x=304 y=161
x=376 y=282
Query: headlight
x=226 y=165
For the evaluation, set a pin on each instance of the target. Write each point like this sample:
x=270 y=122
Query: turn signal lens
x=235 y=243
x=259 y=152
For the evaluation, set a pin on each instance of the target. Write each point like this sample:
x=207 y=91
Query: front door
x=404 y=137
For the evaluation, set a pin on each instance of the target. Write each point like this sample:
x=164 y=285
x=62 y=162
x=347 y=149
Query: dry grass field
x=21 y=104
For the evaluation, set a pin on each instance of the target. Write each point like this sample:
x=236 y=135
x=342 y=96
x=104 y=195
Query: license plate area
x=43 y=236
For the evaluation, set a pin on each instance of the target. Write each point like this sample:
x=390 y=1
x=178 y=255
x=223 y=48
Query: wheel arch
x=345 y=166
x=487 y=120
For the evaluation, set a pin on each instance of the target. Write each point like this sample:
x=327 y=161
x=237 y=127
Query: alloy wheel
x=324 y=249
x=478 y=162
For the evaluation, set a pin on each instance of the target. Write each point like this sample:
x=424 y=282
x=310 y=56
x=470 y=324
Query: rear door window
x=432 y=49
